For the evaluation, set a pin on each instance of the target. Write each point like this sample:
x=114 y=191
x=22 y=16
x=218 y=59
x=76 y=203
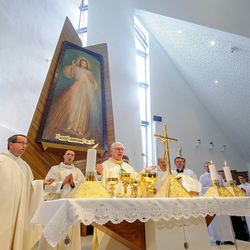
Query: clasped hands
x=68 y=179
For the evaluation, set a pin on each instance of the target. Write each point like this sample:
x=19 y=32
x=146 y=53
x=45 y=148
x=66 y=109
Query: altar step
x=242 y=245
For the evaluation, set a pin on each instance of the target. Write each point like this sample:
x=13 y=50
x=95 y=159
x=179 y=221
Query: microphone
x=151 y=161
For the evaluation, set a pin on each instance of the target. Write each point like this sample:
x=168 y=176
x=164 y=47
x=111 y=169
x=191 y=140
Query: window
x=83 y=22
x=141 y=36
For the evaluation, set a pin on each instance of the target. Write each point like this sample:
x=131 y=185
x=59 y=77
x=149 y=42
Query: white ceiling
x=201 y=64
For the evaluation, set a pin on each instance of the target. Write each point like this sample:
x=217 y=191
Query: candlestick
x=91 y=160
x=228 y=173
x=213 y=172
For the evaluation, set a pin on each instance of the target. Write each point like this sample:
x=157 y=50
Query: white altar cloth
x=56 y=216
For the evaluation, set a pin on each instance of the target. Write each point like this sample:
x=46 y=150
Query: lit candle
x=213 y=172
x=91 y=160
x=227 y=172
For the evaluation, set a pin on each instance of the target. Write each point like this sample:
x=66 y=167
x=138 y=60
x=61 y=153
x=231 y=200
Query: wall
x=29 y=34
x=185 y=116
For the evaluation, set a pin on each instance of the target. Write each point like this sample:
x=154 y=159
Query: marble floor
x=241 y=245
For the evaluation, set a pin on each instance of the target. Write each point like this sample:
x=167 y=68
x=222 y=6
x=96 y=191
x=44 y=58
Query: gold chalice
x=149 y=179
x=131 y=187
x=125 y=178
x=112 y=181
x=136 y=183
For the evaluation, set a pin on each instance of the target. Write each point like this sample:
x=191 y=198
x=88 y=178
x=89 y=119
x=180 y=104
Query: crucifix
x=164 y=139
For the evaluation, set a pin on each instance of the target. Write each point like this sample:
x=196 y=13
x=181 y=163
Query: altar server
x=20 y=197
x=220 y=228
x=180 y=168
x=245 y=187
x=67 y=176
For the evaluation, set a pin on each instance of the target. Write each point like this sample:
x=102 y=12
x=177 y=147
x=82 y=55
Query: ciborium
x=149 y=179
x=112 y=181
x=125 y=178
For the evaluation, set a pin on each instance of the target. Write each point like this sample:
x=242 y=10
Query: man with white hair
x=114 y=166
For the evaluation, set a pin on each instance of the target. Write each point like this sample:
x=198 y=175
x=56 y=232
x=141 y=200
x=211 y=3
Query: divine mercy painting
x=75 y=110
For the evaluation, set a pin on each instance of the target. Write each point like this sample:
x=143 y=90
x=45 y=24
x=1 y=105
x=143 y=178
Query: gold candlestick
x=90 y=176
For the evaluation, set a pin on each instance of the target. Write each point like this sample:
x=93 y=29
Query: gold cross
x=164 y=139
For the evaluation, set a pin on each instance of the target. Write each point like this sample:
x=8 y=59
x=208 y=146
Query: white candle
x=228 y=173
x=213 y=172
x=91 y=160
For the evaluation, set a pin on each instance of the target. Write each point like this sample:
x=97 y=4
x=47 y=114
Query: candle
x=91 y=160
x=228 y=173
x=213 y=172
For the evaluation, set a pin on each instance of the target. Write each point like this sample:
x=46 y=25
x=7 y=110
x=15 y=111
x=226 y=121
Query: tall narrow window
x=141 y=38
x=83 y=22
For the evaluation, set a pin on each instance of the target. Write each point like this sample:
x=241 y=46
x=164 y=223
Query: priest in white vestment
x=162 y=173
x=179 y=162
x=20 y=198
x=220 y=228
x=245 y=187
x=66 y=176
x=112 y=168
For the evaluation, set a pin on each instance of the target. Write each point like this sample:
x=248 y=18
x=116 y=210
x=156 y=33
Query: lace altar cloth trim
x=56 y=216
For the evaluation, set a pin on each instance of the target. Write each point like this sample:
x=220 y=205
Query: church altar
x=57 y=215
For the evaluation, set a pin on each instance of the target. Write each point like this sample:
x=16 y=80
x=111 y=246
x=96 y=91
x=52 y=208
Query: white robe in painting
x=72 y=240
x=220 y=228
x=20 y=198
x=84 y=87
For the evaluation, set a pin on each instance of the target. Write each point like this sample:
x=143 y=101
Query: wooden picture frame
x=75 y=112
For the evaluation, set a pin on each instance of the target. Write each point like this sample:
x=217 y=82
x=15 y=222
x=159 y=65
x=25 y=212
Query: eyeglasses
x=119 y=149
x=21 y=143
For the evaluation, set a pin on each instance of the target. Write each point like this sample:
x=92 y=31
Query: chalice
x=131 y=187
x=125 y=178
x=112 y=181
x=149 y=179
x=136 y=183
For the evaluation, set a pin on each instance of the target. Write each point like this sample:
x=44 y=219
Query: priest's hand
x=71 y=181
x=99 y=169
x=48 y=181
x=67 y=179
x=243 y=189
x=151 y=168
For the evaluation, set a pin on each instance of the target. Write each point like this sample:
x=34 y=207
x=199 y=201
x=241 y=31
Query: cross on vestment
x=164 y=139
